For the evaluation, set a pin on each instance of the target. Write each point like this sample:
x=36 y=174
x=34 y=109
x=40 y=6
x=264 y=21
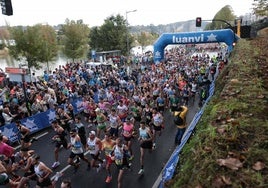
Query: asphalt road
x=154 y=162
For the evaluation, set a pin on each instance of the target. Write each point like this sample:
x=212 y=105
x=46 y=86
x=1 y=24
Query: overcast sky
x=93 y=12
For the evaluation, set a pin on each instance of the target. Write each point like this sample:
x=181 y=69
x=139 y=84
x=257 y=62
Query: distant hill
x=185 y=26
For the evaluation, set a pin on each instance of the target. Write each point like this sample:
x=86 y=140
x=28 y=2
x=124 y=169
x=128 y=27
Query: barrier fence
x=36 y=122
x=169 y=169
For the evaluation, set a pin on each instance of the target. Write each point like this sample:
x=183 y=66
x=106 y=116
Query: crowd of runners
x=118 y=105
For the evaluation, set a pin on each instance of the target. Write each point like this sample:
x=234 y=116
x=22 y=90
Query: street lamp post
x=127 y=12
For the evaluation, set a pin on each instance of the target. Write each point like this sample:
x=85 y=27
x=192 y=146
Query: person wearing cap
x=101 y=122
x=94 y=146
x=76 y=147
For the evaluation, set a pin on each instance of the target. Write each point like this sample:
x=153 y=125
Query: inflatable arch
x=225 y=35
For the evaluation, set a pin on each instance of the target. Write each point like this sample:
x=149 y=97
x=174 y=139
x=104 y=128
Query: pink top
x=6 y=149
x=127 y=130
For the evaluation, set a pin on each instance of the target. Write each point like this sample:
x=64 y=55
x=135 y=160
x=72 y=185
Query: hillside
x=185 y=26
x=230 y=144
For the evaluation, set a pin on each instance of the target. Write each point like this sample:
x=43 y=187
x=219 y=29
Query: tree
x=75 y=41
x=36 y=44
x=111 y=35
x=49 y=44
x=146 y=38
x=260 y=7
x=226 y=14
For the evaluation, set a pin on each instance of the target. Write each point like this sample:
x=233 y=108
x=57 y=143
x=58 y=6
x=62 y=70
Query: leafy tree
x=260 y=7
x=111 y=35
x=49 y=44
x=75 y=41
x=226 y=14
x=36 y=44
x=146 y=38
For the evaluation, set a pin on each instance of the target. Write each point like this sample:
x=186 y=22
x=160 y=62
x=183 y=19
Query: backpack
x=178 y=120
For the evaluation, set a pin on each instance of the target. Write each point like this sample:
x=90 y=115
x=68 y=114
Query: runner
x=107 y=147
x=158 y=125
x=76 y=150
x=94 y=146
x=25 y=140
x=146 y=142
x=81 y=131
x=127 y=133
x=115 y=123
x=26 y=163
x=64 y=119
x=101 y=121
x=122 y=110
x=60 y=140
x=120 y=157
x=43 y=173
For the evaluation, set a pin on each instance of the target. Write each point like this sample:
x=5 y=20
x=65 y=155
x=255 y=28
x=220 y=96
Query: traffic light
x=6 y=6
x=198 y=22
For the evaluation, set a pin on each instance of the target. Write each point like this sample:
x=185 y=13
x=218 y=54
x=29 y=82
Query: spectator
x=8 y=117
x=180 y=122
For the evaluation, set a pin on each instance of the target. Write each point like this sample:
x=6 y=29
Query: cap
x=97 y=110
x=92 y=133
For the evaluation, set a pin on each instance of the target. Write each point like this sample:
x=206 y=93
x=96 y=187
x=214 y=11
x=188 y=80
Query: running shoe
x=154 y=146
x=56 y=164
x=108 y=179
x=104 y=163
x=141 y=171
x=77 y=160
x=131 y=157
x=57 y=176
x=33 y=139
x=99 y=167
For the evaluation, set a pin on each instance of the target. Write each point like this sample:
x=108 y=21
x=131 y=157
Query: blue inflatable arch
x=225 y=35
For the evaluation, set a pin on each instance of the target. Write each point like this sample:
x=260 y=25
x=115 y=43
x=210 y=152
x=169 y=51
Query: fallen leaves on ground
x=232 y=163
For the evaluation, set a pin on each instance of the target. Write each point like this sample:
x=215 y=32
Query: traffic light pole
x=224 y=21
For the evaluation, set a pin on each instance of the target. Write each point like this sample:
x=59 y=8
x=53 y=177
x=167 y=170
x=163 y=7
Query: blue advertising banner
x=210 y=36
x=36 y=122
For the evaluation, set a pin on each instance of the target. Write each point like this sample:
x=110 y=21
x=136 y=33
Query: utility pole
x=127 y=12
